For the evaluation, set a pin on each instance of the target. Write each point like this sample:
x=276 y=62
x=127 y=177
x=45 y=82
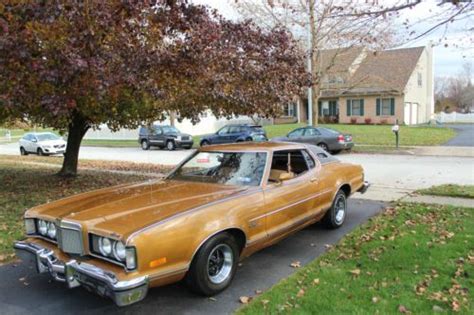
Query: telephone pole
x=310 y=59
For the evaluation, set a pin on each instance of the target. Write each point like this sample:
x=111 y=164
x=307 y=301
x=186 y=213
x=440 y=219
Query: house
x=363 y=86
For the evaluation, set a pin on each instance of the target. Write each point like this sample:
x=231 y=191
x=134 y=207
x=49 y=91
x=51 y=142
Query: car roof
x=269 y=146
x=39 y=133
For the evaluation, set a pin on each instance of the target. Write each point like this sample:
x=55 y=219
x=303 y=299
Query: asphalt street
x=23 y=291
x=465 y=136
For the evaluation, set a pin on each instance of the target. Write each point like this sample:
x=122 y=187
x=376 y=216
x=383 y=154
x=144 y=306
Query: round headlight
x=105 y=246
x=42 y=227
x=51 y=230
x=119 y=251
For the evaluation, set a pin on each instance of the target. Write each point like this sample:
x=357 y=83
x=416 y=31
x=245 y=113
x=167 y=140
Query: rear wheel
x=145 y=144
x=214 y=265
x=23 y=151
x=335 y=216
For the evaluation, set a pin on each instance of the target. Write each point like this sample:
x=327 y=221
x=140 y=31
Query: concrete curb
x=439 y=200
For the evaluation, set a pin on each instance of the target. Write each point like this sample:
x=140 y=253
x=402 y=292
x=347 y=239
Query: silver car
x=42 y=143
x=327 y=139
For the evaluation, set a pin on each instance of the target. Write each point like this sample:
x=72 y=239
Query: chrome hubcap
x=170 y=145
x=219 y=263
x=144 y=144
x=340 y=209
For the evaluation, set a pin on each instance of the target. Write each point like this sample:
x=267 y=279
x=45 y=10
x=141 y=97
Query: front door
x=290 y=203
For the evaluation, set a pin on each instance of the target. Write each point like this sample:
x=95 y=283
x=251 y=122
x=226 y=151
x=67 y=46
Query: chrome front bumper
x=364 y=187
x=74 y=274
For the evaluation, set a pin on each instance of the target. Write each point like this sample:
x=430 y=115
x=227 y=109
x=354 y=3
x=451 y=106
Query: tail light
x=340 y=138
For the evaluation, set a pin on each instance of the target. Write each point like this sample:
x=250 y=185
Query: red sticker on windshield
x=203 y=160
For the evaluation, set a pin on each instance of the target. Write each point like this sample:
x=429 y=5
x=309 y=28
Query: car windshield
x=228 y=168
x=167 y=129
x=46 y=137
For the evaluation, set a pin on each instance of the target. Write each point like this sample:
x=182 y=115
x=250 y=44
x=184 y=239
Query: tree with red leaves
x=123 y=63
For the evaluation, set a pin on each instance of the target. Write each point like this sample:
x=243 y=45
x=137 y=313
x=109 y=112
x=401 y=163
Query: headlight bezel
x=34 y=227
x=129 y=262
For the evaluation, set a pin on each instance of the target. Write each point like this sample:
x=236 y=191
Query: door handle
x=314 y=179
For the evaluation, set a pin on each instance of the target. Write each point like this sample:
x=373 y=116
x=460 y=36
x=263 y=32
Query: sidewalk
x=440 y=200
x=419 y=150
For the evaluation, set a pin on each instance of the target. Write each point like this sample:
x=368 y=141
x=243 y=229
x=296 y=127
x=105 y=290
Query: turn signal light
x=157 y=262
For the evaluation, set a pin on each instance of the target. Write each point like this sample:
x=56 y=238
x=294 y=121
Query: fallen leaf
x=402 y=309
x=316 y=281
x=213 y=299
x=295 y=264
x=300 y=293
x=355 y=272
x=245 y=299
x=258 y=291
x=455 y=306
x=375 y=299
x=437 y=309
x=265 y=302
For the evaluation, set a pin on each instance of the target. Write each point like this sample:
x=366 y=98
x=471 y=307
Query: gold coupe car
x=221 y=204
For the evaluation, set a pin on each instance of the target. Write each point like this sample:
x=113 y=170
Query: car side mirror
x=34 y=140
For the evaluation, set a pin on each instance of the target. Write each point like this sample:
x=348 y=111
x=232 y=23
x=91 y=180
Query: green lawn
x=24 y=185
x=414 y=259
x=450 y=190
x=379 y=134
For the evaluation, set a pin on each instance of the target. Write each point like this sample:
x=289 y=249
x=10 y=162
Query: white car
x=42 y=143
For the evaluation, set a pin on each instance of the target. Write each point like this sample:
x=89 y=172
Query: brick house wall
x=370 y=110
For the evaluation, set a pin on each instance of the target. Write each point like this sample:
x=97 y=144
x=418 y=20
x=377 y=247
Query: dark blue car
x=235 y=133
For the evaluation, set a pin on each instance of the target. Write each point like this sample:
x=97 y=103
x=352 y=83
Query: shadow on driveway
x=22 y=291
x=465 y=136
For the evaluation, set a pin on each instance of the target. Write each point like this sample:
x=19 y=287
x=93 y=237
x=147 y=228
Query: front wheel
x=170 y=146
x=204 y=143
x=40 y=152
x=214 y=265
x=335 y=216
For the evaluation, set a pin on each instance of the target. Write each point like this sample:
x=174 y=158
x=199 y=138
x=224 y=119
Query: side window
x=311 y=132
x=287 y=161
x=223 y=131
x=309 y=159
x=234 y=129
x=296 y=133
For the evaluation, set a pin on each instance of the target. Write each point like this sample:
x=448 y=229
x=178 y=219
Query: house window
x=289 y=110
x=385 y=106
x=355 y=107
x=420 y=79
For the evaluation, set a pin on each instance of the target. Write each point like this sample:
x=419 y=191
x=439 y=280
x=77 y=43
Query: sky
x=448 y=60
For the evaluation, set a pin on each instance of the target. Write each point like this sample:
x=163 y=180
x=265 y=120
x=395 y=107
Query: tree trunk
x=76 y=131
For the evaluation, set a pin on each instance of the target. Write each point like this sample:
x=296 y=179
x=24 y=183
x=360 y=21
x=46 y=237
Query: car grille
x=59 y=146
x=185 y=138
x=70 y=241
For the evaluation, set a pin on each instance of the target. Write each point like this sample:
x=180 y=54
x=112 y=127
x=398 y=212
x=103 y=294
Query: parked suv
x=235 y=133
x=167 y=137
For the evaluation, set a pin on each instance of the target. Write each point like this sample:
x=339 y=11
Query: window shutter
x=392 y=106
x=348 y=113
x=362 y=107
x=378 y=107
x=320 y=110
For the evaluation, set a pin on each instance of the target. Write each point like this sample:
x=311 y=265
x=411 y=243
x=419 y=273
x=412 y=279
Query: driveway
x=465 y=136
x=22 y=291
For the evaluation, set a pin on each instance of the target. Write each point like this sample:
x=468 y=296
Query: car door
x=155 y=136
x=234 y=134
x=296 y=135
x=33 y=144
x=292 y=202
x=221 y=135
x=311 y=136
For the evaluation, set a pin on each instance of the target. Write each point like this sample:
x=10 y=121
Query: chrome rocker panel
x=364 y=187
x=74 y=273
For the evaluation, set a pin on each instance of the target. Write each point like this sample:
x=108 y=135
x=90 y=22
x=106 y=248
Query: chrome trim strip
x=290 y=205
x=168 y=273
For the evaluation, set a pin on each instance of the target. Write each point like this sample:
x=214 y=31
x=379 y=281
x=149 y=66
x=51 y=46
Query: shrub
x=353 y=120
x=383 y=121
x=368 y=121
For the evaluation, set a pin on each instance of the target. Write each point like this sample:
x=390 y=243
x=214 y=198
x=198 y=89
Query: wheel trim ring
x=340 y=206
x=169 y=145
x=224 y=270
x=144 y=144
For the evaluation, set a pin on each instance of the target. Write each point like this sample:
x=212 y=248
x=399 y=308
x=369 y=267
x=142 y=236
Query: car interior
x=292 y=162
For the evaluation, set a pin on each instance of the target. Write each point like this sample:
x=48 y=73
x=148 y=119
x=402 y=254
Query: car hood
x=52 y=142
x=279 y=139
x=121 y=210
